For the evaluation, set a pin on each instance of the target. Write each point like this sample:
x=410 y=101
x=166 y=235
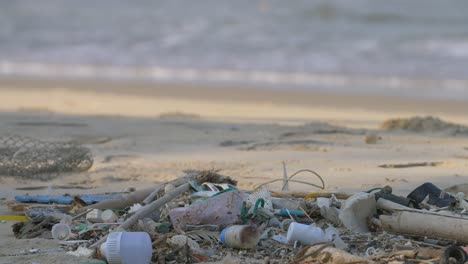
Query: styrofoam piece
x=94 y=216
x=356 y=211
x=108 y=216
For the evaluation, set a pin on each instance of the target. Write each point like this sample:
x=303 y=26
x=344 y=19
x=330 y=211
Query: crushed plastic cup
x=306 y=234
x=61 y=232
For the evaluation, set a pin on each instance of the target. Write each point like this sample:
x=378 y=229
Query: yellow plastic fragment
x=13 y=218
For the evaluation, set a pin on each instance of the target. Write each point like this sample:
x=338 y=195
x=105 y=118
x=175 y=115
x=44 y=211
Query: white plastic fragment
x=94 y=216
x=306 y=234
x=329 y=212
x=280 y=238
x=82 y=252
x=135 y=208
x=108 y=216
x=332 y=235
x=356 y=211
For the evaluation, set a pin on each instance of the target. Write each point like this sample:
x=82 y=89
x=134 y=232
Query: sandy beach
x=141 y=134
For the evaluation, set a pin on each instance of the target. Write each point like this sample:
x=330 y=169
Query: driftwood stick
x=120 y=202
x=147 y=209
x=154 y=193
x=130 y=199
x=309 y=195
x=419 y=224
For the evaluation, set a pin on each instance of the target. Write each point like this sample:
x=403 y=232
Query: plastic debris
x=82 y=252
x=127 y=248
x=356 y=211
x=328 y=211
x=306 y=234
x=240 y=236
x=94 y=216
x=66 y=199
x=203 y=217
x=223 y=209
x=433 y=194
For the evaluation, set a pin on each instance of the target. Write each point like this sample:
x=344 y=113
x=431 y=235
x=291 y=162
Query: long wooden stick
x=130 y=199
x=147 y=209
x=176 y=183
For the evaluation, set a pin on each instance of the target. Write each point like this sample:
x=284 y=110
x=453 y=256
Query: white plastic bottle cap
x=127 y=248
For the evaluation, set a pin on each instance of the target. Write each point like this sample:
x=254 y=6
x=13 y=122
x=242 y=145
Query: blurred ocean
x=399 y=47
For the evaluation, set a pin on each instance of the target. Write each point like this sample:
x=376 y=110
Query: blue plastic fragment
x=286 y=212
x=66 y=199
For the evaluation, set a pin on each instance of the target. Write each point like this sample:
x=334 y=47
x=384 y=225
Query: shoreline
x=243 y=103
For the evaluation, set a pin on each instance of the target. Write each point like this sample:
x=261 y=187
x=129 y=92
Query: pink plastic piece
x=223 y=209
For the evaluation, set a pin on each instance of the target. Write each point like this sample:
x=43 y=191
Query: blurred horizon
x=417 y=48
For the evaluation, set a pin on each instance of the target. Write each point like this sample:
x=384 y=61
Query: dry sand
x=142 y=134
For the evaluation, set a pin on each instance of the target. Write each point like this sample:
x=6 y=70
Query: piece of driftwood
x=32 y=188
x=154 y=193
x=30 y=229
x=419 y=253
x=120 y=202
x=309 y=195
x=148 y=209
x=426 y=224
x=387 y=205
x=132 y=198
x=325 y=254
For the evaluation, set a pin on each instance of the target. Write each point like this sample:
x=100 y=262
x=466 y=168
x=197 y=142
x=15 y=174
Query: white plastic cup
x=306 y=234
x=61 y=232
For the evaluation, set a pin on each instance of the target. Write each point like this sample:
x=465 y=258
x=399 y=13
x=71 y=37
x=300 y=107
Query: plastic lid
x=127 y=248
x=111 y=248
x=221 y=236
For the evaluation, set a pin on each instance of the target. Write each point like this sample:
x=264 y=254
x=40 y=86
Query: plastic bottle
x=306 y=234
x=240 y=236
